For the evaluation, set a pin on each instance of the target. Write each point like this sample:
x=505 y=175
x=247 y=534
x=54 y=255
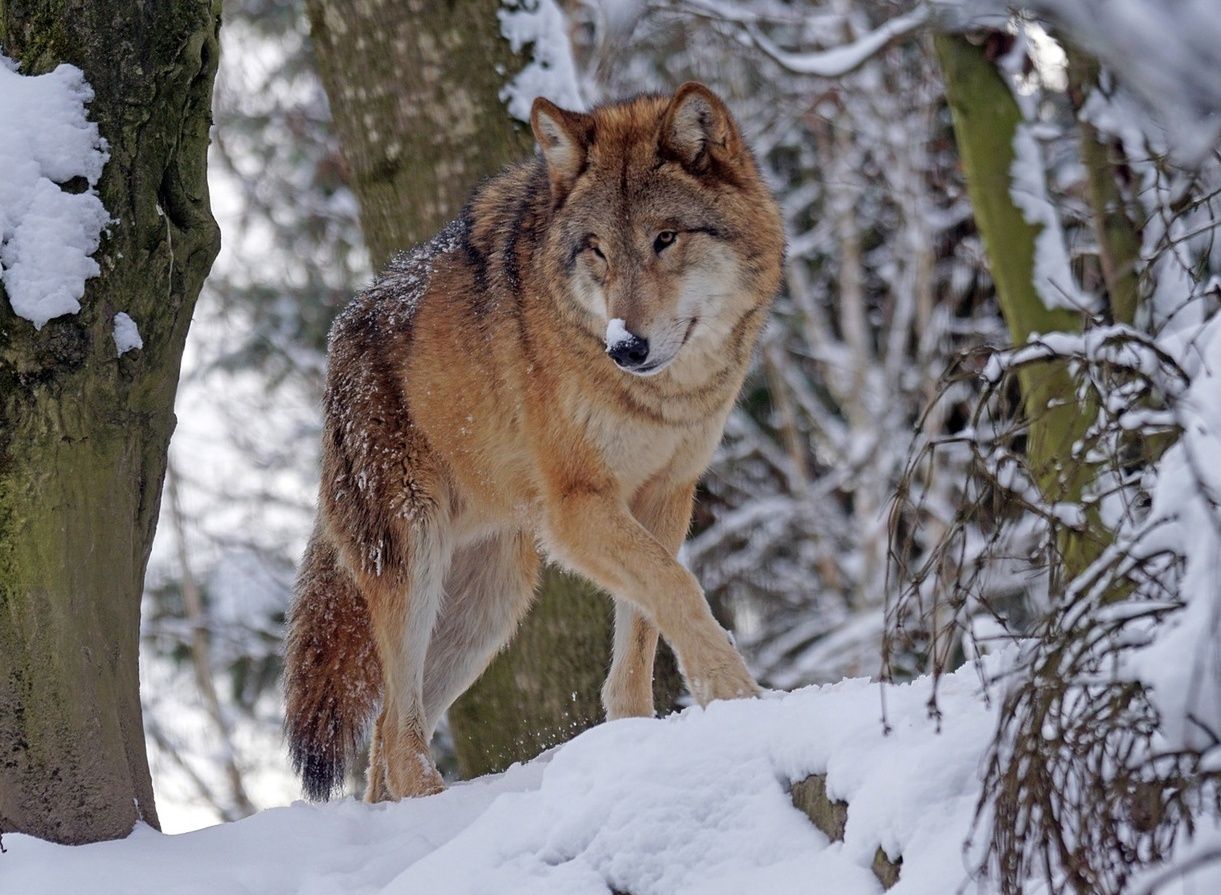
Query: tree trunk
x=1118 y=241
x=83 y=433
x=416 y=100
x=545 y=688
x=986 y=117
x=415 y=94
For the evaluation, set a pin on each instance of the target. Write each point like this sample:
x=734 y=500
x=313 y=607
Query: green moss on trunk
x=1118 y=241
x=84 y=434
x=986 y=117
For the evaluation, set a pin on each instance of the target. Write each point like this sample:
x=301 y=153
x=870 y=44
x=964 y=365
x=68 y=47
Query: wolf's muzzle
x=630 y=353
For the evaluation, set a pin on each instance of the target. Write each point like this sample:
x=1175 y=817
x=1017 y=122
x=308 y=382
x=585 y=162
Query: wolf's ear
x=564 y=138
x=698 y=130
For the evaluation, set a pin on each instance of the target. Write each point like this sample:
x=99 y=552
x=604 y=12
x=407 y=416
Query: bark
x=83 y=433
x=986 y=116
x=831 y=818
x=415 y=91
x=545 y=688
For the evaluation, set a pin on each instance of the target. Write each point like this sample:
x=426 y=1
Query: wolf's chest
x=636 y=449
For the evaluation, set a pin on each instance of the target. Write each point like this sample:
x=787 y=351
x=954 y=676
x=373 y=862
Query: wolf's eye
x=664 y=240
x=591 y=243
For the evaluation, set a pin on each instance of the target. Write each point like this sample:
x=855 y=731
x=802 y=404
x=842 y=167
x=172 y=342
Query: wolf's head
x=664 y=236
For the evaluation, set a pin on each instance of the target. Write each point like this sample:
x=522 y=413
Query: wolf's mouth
x=649 y=369
x=652 y=369
x=690 y=329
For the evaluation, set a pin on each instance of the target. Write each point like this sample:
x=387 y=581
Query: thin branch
x=843 y=60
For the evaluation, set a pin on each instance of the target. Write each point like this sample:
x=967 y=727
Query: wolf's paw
x=627 y=702
x=408 y=772
x=627 y=694
x=728 y=680
x=419 y=778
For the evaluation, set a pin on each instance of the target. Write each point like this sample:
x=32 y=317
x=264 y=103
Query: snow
x=1180 y=663
x=126 y=334
x=1053 y=275
x=1167 y=51
x=693 y=803
x=551 y=71
x=47 y=234
x=616 y=333
x=621 y=16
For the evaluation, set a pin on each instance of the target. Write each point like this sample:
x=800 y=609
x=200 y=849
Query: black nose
x=630 y=352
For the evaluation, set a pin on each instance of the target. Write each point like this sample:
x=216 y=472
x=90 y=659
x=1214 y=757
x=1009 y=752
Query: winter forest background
x=930 y=464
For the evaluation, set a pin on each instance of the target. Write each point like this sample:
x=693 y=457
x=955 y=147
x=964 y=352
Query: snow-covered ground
x=695 y=803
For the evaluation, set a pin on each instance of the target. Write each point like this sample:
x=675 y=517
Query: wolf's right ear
x=564 y=138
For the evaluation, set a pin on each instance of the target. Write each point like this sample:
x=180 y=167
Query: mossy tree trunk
x=84 y=433
x=986 y=117
x=416 y=100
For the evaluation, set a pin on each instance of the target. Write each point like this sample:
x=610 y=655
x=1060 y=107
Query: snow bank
x=47 y=233
x=694 y=803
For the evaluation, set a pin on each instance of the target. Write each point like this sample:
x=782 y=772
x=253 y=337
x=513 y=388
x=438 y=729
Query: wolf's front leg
x=628 y=691
x=664 y=509
x=593 y=533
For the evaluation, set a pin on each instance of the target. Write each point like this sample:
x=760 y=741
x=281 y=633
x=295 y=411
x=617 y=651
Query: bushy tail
x=332 y=678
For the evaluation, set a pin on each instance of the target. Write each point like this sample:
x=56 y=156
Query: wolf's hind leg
x=375 y=776
x=403 y=620
x=488 y=590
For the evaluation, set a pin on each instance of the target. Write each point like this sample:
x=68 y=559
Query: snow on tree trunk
x=84 y=431
x=416 y=100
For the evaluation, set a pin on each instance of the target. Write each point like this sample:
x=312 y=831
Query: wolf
x=550 y=374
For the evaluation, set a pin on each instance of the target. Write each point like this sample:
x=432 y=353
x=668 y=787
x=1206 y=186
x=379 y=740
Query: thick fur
x=333 y=678
x=473 y=417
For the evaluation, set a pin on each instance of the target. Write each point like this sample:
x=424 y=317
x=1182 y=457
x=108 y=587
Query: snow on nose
x=617 y=334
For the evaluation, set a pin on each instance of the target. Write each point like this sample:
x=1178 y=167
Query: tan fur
x=472 y=416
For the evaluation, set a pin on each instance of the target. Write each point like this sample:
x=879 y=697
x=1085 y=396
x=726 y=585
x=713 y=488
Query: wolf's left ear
x=564 y=138
x=699 y=130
